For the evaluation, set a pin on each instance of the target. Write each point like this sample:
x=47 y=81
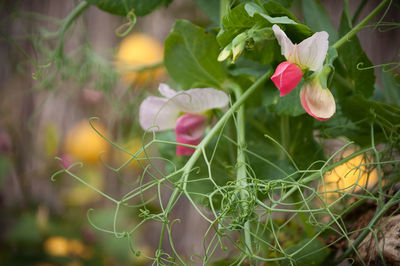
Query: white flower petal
x=287 y=47
x=312 y=51
x=166 y=90
x=158 y=114
x=200 y=100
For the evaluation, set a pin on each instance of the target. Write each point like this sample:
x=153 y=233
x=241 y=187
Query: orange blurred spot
x=56 y=246
x=136 y=51
x=84 y=144
x=354 y=175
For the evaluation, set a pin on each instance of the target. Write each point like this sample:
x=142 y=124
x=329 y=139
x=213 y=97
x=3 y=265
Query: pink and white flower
x=307 y=55
x=317 y=101
x=183 y=111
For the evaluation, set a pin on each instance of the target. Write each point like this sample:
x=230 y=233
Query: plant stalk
x=66 y=24
x=199 y=149
x=241 y=175
x=358 y=27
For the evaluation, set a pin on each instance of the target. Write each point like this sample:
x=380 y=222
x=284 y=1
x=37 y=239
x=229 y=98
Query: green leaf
x=357 y=108
x=285 y=3
x=235 y=22
x=391 y=87
x=123 y=7
x=244 y=66
x=297 y=32
x=354 y=57
x=317 y=18
x=308 y=252
x=253 y=9
x=290 y=103
x=210 y=8
x=190 y=56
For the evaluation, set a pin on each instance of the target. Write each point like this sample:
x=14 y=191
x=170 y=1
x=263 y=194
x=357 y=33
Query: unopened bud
x=238 y=45
x=225 y=53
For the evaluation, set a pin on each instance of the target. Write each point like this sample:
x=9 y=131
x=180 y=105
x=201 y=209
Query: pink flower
x=286 y=77
x=189 y=130
x=307 y=55
x=183 y=111
x=317 y=101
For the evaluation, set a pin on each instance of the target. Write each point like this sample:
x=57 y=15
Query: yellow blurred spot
x=62 y=247
x=56 y=246
x=84 y=144
x=352 y=176
x=136 y=51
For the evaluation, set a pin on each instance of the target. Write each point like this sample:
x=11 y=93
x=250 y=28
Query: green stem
x=195 y=156
x=318 y=174
x=393 y=201
x=309 y=229
x=241 y=175
x=66 y=24
x=221 y=123
x=224 y=8
x=358 y=27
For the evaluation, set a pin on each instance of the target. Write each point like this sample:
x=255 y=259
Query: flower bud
x=225 y=53
x=238 y=45
x=286 y=77
x=189 y=130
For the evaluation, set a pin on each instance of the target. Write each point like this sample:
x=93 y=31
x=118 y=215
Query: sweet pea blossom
x=307 y=55
x=317 y=101
x=182 y=111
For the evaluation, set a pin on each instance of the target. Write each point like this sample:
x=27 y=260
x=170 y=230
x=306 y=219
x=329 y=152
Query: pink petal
x=189 y=130
x=66 y=161
x=286 y=77
x=317 y=101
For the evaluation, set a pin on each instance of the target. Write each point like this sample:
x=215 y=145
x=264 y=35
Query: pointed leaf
x=191 y=56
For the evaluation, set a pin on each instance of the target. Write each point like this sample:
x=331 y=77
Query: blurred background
x=50 y=88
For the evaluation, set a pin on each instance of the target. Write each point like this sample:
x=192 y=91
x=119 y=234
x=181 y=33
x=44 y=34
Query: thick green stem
x=66 y=24
x=199 y=149
x=241 y=175
x=359 y=26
